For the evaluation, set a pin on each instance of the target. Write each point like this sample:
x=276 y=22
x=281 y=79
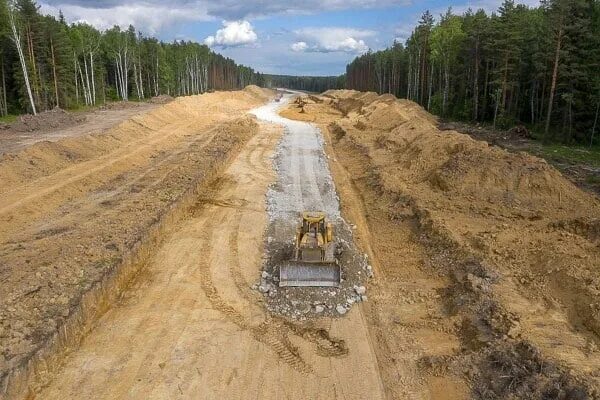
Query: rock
x=341 y=309
x=264 y=288
x=363 y=297
x=350 y=301
x=360 y=290
x=514 y=330
x=477 y=283
x=266 y=275
x=319 y=309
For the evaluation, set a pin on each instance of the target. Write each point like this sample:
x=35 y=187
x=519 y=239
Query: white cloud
x=331 y=39
x=233 y=33
x=147 y=17
x=299 y=46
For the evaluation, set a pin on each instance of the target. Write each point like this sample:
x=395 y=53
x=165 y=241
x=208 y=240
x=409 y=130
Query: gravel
x=304 y=182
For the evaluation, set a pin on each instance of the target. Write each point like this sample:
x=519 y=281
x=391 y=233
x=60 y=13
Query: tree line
x=47 y=63
x=538 y=66
x=316 y=84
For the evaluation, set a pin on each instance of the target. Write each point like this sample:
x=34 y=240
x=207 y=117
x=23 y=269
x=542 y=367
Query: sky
x=297 y=37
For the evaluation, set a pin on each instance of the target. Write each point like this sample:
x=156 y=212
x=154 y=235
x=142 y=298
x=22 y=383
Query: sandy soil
x=75 y=211
x=64 y=125
x=486 y=283
x=192 y=327
x=512 y=242
x=583 y=174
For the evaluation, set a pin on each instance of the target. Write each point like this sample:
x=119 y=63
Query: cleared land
x=80 y=215
x=57 y=124
x=130 y=259
x=488 y=260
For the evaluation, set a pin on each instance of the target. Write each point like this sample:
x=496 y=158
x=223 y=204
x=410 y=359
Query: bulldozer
x=314 y=262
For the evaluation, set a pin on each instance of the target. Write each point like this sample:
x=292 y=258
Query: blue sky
x=309 y=37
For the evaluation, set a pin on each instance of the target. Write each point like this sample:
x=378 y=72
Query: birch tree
x=16 y=38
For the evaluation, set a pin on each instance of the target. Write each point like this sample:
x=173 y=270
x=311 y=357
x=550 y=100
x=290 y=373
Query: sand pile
x=453 y=164
x=516 y=239
x=258 y=92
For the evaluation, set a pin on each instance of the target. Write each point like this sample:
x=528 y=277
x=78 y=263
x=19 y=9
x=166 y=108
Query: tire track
x=264 y=332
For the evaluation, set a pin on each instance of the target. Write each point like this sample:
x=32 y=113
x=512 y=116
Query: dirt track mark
x=265 y=332
x=327 y=346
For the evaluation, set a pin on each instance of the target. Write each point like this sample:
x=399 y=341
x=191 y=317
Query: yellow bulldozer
x=314 y=262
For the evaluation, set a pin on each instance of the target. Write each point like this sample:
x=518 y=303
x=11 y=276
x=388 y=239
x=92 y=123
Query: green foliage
x=573 y=154
x=316 y=84
x=478 y=67
x=77 y=65
x=8 y=118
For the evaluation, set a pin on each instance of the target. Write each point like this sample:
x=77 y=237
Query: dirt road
x=80 y=123
x=193 y=328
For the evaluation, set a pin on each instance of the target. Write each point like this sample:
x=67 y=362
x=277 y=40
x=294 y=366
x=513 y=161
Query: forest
x=316 y=84
x=537 y=66
x=47 y=63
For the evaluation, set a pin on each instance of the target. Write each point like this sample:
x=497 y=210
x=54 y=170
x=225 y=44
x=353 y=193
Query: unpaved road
x=192 y=327
x=95 y=122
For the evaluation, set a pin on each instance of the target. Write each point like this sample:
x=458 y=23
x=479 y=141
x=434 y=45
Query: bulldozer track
x=234 y=265
x=327 y=346
x=281 y=345
x=264 y=333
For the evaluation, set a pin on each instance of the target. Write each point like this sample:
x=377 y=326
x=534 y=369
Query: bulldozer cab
x=313 y=226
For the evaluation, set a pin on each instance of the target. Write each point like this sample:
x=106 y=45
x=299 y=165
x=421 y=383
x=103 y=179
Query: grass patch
x=572 y=154
x=593 y=180
x=7 y=119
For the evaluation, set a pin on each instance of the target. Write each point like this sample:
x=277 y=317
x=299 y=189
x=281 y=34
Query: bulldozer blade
x=309 y=274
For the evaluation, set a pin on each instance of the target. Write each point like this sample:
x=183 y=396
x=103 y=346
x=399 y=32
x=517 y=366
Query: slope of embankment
x=518 y=243
x=79 y=216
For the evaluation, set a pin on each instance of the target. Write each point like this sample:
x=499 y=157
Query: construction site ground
x=141 y=261
x=58 y=124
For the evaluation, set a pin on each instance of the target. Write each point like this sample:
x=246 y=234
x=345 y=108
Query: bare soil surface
x=58 y=124
x=132 y=260
x=506 y=247
x=75 y=210
x=583 y=174
x=192 y=327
